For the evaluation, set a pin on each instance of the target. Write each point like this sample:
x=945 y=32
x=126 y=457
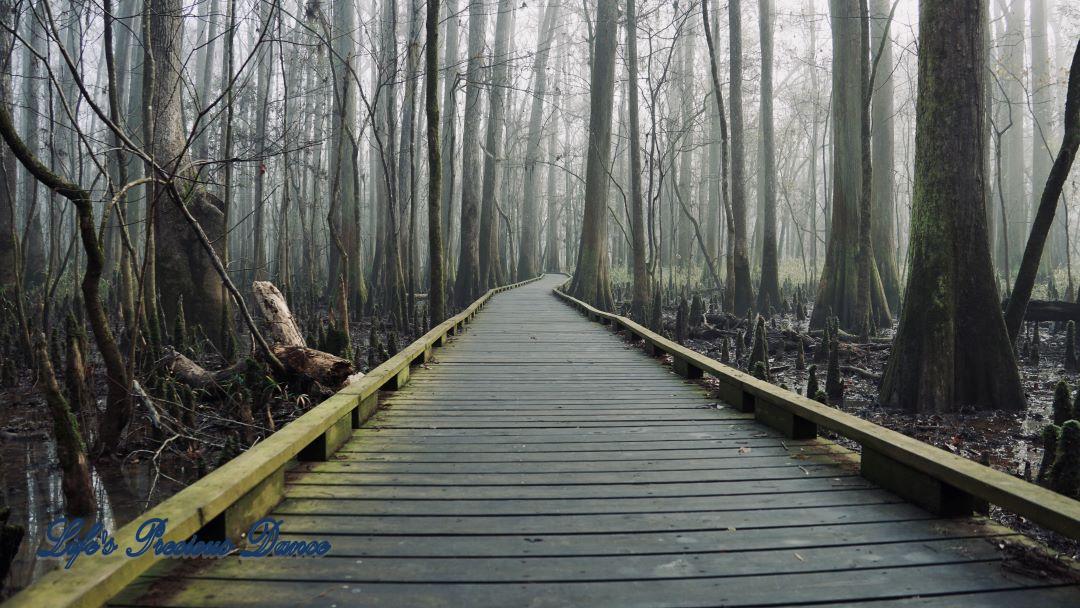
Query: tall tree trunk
x=1042 y=132
x=76 y=482
x=1012 y=45
x=185 y=272
x=436 y=264
x=467 y=286
x=591 y=282
x=883 y=228
x=493 y=149
x=813 y=141
x=769 y=289
x=34 y=258
x=343 y=193
x=449 y=125
x=683 y=93
x=840 y=289
x=529 y=242
x=952 y=348
x=641 y=298
x=8 y=238
x=713 y=167
x=265 y=77
x=742 y=291
x=406 y=173
x=552 y=262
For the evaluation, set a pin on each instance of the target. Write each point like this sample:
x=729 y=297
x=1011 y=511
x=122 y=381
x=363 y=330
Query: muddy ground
x=152 y=464
x=1009 y=442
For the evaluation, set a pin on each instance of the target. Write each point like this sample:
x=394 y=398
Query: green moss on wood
x=1065 y=474
x=1050 y=435
x=1063 y=406
x=811 y=382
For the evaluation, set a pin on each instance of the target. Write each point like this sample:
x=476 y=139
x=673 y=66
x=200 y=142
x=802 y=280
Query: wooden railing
x=935 y=479
x=228 y=500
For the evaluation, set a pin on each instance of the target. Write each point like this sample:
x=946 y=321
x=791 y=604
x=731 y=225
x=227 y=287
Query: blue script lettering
x=150 y=535
x=71 y=538
x=66 y=542
x=148 y=532
x=263 y=541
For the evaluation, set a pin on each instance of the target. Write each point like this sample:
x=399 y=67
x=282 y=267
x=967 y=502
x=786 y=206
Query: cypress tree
x=682 y=321
x=760 y=371
x=697 y=311
x=1063 y=407
x=760 y=351
x=811 y=382
x=1050 y=435
x=373 y=347
x=1065 y=474
x=180 y=335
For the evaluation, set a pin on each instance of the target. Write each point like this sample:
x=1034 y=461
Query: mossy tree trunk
x=951 y=348
x=184 y=270
x=436 y=263
x=591 y=281
x=769 y=289
x=467 y=285
x=840 y=289
x=76 y=483
x=740 y=289
x=883 y=228
x=118 y=403
x=552 y=262
x=640 y=298
x=529 y=246
x=493 y=150
x=8 y=246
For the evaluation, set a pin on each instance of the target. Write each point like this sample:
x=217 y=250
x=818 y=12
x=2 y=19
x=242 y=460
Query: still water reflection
x=32 y=490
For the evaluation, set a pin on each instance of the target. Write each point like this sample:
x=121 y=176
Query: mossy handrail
x=899 y=463
x=250 y=484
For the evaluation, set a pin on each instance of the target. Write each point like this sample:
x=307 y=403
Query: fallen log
x=858 y=371
x=289 y=347
x=1050 y=310
x=195 y=375
x=277 y=318
x=326 y=369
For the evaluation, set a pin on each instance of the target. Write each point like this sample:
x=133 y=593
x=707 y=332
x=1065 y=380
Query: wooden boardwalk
x=543 y=461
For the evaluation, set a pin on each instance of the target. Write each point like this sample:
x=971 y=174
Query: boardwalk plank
x=539 y=460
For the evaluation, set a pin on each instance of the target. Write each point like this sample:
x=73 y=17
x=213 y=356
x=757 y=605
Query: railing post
x=324 y=446
x=930 y=493
x=365 y=410
x=234 y=521
x=685 y=368
x=776 y=417
x=399 y=380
